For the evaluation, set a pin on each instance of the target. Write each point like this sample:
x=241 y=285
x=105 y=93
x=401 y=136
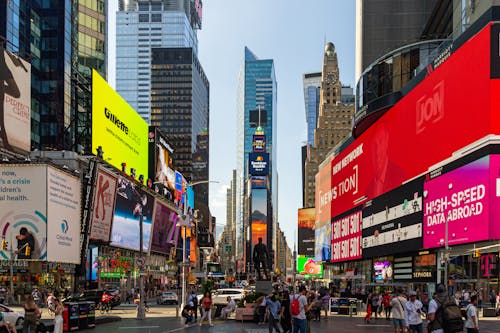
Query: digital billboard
x=465 y=199
x=259 y=143
x=118 y=128
x=307 y=266
x=131 y=202
x=63 y=216
x=424 y=128
x=104 y=205
x=23 y=205
x=258 y=216
x=323 y=243
x=306 y=221
x=161 y=167
x=383 y=269
x=346 y=237
x=258 y=164
x=15 y=102
x=392 y=222
x=164 y=230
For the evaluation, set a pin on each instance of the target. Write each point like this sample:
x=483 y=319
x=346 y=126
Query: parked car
x=14 y=317
x=168 y=297
x=220 y=297
x=96 y=296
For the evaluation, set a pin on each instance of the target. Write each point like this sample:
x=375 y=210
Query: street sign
x=139 y=262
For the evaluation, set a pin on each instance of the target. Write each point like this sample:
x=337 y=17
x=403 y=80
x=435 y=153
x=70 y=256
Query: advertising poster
x=306 y=221
x=165 y=220
x=382 y=268
x=425 y=267
x=63 y=216
x=15 y=102
x=259 y=143
x=23 y=209
x=161 y=170
x=259 y=217
x=401 y=144
x=460 y=198
x=118 y=129
x=104 y=205
x=323 y=243
x=131 y=203
x=258 y=164
x=346 y=237
x=308 y=267
x=392 y=222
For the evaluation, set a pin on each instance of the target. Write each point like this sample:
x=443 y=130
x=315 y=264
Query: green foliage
x=209 y=285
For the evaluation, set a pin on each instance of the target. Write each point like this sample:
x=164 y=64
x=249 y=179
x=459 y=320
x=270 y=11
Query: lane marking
x=136 y=327
x=373 y=325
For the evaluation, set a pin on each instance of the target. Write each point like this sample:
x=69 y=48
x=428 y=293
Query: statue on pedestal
x=260 y=258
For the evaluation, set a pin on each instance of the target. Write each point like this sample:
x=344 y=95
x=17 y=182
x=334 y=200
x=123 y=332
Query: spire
x=249 y=55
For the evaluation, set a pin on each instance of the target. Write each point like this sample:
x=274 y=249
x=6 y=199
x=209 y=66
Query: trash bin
x=91 y=315
x=83 y=321
x=70 y=316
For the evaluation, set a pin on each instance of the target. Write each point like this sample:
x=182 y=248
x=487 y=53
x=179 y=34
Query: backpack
x=449 y=316
x=295 y=307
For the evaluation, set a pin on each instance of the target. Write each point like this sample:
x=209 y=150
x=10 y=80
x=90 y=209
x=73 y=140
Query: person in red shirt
x=206 y=308
x=387 y=305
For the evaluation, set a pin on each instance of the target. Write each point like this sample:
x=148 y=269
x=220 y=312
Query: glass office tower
x=312 y=85
x=141 y=26
x=257 y=91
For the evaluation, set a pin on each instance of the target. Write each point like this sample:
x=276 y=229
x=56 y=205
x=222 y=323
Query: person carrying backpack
x=444 y=314
x=298 y=309
x=472 y=323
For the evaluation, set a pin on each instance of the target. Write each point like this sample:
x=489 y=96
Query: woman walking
x=369 y=300
x=206 y=308
x=31 y=314
x=286 y=316
x=58 y=319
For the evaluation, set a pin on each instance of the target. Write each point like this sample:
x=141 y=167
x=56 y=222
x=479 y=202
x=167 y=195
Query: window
x=143 y=7
x=143 y=17
x=155 y=17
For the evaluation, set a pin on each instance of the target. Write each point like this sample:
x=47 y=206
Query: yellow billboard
x=118 y=129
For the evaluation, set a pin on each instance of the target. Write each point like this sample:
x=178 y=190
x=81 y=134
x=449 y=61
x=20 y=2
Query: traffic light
x=4 y=244
x=27 y=251
x=477 y=253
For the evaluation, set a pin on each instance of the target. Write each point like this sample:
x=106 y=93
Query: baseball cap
x=412 y=293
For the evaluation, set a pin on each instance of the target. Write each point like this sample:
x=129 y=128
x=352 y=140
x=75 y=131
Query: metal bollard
x=176 y=312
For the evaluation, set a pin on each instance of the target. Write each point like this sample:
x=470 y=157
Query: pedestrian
x=274 y=313
x=386 y=301
x=187 y=313
x=229 y=308
x=368 y=308
x=31 y=314
x=194 y=298
x=397 y=310
x=493 y=296
x=413 y=313
x=434 y=326
x=262 y=310
x=326 y=304
x=206 y=303
x=58 y=319
x=286 y=316
x=299 y=320
x=375 y=301
x=472 y=322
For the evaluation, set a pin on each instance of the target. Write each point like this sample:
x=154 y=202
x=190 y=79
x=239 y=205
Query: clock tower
x=333 y=124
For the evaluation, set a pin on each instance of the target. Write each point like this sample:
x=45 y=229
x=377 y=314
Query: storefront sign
x=346 y=239
x=424 y=267
x=489 y=265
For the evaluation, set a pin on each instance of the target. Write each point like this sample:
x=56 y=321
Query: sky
x=293 y=34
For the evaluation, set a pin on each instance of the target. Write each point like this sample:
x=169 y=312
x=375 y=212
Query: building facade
x=312 y=86
x=256 y=108
x=180 y=108
x=144 y=25
x=333 y=123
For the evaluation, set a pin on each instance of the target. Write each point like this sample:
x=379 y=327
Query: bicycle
x=104 y=307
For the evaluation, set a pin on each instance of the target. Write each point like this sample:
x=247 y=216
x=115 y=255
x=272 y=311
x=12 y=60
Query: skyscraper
x=257 y=98
x=333 y=123
x=143 y=25
x=180 y=108
x=312 y=85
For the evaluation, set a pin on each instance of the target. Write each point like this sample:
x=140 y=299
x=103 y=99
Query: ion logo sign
x=430 y=109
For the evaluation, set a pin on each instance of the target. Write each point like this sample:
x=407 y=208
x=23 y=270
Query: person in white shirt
x=398 y=316
x=472 y=322
x=413 y=313
x=433 y=326
x=231 y=305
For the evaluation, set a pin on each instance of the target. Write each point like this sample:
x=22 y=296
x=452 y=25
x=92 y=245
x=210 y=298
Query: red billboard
x=453 y=107
x=346 y=237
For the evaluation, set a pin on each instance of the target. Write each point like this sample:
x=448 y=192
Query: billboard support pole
x=11 y=268
x=141 y=313
x=446 y=254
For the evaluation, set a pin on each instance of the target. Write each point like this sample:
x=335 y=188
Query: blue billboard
x=258 y=164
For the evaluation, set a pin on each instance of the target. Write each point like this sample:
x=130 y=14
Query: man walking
x=299 y=314
x=472 y=323
x=413 y=313
x=398 y=312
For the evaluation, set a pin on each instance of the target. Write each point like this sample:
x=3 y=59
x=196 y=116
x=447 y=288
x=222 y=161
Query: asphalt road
x=161 y=319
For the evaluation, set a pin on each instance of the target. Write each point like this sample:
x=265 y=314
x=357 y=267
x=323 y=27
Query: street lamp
x=185 y=221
